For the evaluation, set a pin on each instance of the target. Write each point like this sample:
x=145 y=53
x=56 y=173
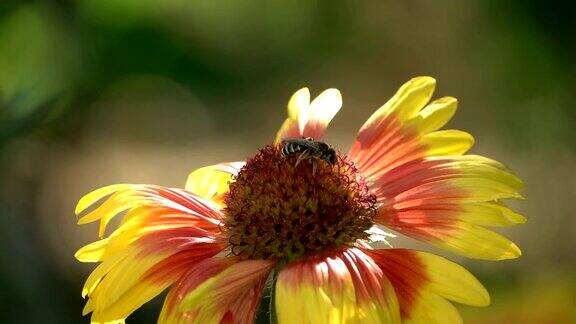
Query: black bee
x=309 y=148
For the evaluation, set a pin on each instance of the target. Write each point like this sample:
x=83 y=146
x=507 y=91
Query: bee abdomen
x=291 y=148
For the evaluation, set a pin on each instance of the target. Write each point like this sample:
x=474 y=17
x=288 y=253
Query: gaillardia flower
x=301 y=217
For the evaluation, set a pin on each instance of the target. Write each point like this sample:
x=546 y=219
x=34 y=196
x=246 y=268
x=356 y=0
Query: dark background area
x=94 y=92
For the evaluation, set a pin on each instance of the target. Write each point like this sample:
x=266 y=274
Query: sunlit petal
x=218 y=290
x=426 y=187
x=342 y=286
x=164 y=233
x=424 y=282
x=309 y=119
x=211 y=182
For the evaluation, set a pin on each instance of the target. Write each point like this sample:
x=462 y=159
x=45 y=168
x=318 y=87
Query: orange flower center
x=284 y=206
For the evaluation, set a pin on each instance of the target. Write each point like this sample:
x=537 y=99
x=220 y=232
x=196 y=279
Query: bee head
x=330 y=156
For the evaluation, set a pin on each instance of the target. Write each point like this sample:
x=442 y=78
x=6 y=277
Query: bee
x=308 y=148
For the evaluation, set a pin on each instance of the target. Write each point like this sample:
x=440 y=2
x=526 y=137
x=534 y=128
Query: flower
x=303 y=223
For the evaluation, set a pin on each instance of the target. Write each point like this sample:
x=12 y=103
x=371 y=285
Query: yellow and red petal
x=404 y=129
x=127 y=280
x=309 y=119
x=126 y=197
x=339 y=286
x=424 y=283
x=218 y=290
x=446 y=201
x=427 y=188
x=211 y=182
x=164 y=232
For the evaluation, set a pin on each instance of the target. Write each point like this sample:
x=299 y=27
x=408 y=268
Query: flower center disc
x=280 y=208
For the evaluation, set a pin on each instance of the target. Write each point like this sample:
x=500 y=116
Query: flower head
x=277 y=208
x=306 y=213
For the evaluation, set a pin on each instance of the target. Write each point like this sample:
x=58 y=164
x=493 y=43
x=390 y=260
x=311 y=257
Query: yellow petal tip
x=485 y=302
x=517 y=218
x=85 y=220
x=513 y=252
x=423 y=79
x=482 y=298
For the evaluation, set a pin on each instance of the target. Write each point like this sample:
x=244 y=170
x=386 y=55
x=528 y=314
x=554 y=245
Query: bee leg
x=301 y=157
x=313 y=167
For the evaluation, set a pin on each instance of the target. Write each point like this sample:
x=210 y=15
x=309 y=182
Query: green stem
x=273 y=318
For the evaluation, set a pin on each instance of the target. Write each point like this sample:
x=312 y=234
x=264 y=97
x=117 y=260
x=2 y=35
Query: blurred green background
x=94 y=92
